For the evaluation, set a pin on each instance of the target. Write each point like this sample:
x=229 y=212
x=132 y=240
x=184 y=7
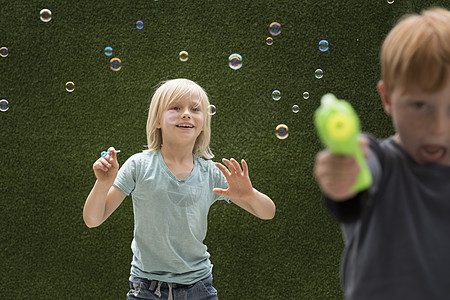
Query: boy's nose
x=186 y=115
x=440 y=123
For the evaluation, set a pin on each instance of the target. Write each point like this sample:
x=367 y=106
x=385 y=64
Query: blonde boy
x=172 y=189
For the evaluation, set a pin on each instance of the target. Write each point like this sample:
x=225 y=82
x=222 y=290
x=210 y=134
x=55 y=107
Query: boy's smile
x=185 y=126
x=422 y=122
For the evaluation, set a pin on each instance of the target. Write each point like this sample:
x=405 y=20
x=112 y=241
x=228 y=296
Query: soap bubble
x=4 y=52
x=295 y=108
x=212 y=110
x=70 y=86
x=116 y=64
x=323 y=45
x=108 y=51
x=184 y=56
x=282 y=131
x=4 y=105
x=139 y=24
x=390 y=1
x=235 y=61
x=275 y=28
x=305 y=95
x=276 y=95
x=171 y=116
x=318 y=73
x=269 y=41
x=45 y=15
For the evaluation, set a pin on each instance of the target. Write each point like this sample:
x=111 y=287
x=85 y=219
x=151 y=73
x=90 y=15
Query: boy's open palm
x=239 y=184
x=106 y=168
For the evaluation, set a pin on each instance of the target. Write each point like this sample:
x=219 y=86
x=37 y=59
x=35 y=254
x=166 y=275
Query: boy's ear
x=385 y=97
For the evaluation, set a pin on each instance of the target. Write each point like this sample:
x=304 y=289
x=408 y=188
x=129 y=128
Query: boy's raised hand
x=336 y=174
x=239 y=184
x=106 y=168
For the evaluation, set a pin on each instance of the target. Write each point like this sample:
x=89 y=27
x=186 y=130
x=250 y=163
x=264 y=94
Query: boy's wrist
x=248 y=197
x=103 y=185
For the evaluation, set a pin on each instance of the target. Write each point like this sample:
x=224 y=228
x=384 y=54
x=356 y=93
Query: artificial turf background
x=49 y=137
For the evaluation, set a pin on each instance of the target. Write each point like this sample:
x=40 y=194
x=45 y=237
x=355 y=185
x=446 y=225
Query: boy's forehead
x=416 y=91
x=188 y=98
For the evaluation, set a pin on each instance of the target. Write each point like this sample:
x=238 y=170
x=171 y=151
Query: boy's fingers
x=98 y=165
x=112 y=157
x=220 y=192
x=236 y=165
x=229 y=165
x=244 y=167
x=223 y=170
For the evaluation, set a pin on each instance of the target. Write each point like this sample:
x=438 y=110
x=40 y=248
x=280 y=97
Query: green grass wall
x=49 y=138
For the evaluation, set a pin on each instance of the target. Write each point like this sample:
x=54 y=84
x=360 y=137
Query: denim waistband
x=155 y=285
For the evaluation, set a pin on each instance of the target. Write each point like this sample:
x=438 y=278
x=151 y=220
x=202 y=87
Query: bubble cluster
x=4 y=52
x=108 y=51
x=282 y=131
x=275 y=28
x=70 y=86
x=323 y=45
x=269 y=41
x=295 y=108
x=212 y=110
x=306 y=95
x=276 y=95
x=139 y=24
x=235 y=61
x=318 y=73
x=115 y=64
x=45 y=15
x=183 y=56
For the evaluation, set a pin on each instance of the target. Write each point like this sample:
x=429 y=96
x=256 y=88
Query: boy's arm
x=104 y=198
x=241 y=191
x=102 y=201
x=343 y=203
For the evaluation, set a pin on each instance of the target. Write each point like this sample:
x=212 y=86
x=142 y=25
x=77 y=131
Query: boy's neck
x=179 y=155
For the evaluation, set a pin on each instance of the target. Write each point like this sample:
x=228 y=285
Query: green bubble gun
x=338 y=128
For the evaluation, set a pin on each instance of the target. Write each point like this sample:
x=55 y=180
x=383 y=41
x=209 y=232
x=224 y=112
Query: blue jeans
x=141 y=288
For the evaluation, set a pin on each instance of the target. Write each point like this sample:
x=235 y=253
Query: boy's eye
x=175 y=108
x=196 y=109
x=419 y=105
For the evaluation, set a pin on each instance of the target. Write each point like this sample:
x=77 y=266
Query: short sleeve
x=219 y=182
x=126 y=177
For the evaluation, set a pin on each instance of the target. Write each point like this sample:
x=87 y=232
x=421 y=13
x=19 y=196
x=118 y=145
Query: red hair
x=417 y=52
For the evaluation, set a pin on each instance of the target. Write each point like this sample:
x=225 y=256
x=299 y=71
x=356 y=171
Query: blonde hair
x=167 y=92
x=417 y=51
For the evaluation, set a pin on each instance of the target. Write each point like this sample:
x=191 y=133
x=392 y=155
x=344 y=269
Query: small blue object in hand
x=104 y=153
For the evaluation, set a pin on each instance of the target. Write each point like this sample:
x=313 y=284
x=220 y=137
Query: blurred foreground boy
x=397 y=233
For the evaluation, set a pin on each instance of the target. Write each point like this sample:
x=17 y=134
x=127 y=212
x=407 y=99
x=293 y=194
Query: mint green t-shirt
x=170 y=217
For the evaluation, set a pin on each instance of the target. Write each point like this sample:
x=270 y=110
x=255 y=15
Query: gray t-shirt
x=397 y=234
x=170 y=217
